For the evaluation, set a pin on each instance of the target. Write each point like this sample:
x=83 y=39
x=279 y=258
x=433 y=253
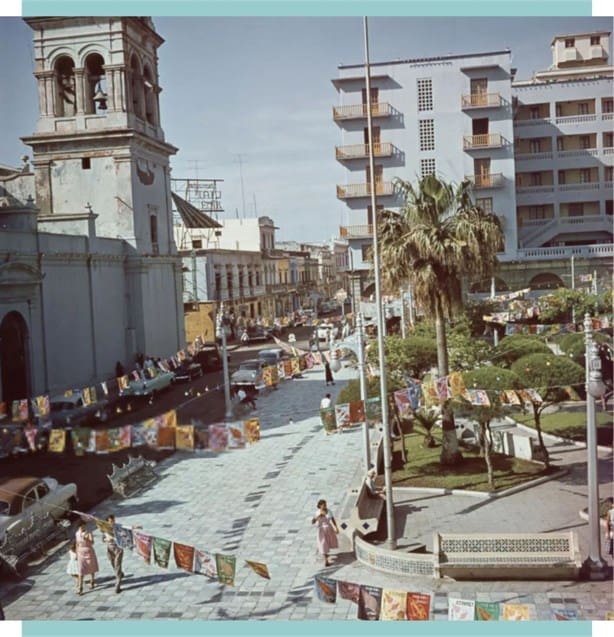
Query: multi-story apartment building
x=538 y=153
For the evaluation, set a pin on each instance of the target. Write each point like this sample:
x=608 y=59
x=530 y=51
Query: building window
x=197 y=244
x=425 y=94
x=536 y=179
x=585 y=176
x=379 y=208
x=535 y=145
x=570 y=43
x=609 y=173
x=595 y=40
x=537 y=212
x=609 y=206
x=558 y=110
x=607 y=106
x=534 y=112
x=86 y=163
x=560 y=143
x=427 y=167
x=427 y=134
x=562 y=178
x=153 y=233
x=583 y=108
x=585 y=141
x=608 y=140
x=366 y=251
x=576 y=209
x=485 y=203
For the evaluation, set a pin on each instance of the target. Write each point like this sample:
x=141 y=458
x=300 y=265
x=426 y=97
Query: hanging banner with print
x=105 y=389
x=138 y=435
x=515 y=612
x=142 y=545
x=184 y=437
x=403 y=402
x=288 y=368
x=530 y=396
x=309 y=360
x=20 y=410
x=93 y=394
x=226 y=565
x=85 y=392
x=418 y=606
x=357 y=411
x=218 y=436
x=80 y=440
x=267 y=377
x=328 y=419
x=342 y=415
x=184 y=556
x=30 y=432
x=169 y=419
x=325 y=589
x=114 y=437
x=317 y=358
x=281 y=370
x=274 y=374
x=3 y=411
x=443 y=390
x=201 y=435
x=166 y=437
x=564 y=614
x=394 y=605
x=123 y=537
x=369 y=602
x=373 y=410
x=477 y=397
x=252 y=430
x=460 y=609
x=486 y=611
x=42 y=403
x=295 y=368
x=349 y=590
x=302 y=363
x=236 y=435
x=259 y=568
x=123 y=382
x=509 y=397
x=161 y=550
x=57 y=441
x=456 y=384
x=429 y=393
x=102 y=440
x=205 y=563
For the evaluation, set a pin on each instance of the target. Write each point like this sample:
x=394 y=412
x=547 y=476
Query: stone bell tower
x=100 y=160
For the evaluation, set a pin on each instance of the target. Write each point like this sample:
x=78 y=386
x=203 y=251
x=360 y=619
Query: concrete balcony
x=592 y=185
x=493 y=180
x=538 y=231
x=575 y=119
x=355 y=232
x=564 y=252
x=489 y=140
x=352 y=191
x=533 y=156
x=361 y=151
x=481 y=100
x=359 y=111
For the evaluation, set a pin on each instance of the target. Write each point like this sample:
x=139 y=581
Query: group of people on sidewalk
x=82 y=560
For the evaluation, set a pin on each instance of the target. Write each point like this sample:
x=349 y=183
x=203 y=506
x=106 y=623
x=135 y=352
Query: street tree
x=409 y=357
x=516 y=346
x=438 y=237
x=547 y=374
x=493 y=380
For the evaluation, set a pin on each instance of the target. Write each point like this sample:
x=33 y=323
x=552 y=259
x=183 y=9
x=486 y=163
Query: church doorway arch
x=14 y=357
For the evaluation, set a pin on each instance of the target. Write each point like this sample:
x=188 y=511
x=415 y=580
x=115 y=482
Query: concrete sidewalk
x=256 y=504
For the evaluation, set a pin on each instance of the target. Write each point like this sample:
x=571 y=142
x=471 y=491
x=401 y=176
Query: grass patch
x=571 y=425
x=424 y=470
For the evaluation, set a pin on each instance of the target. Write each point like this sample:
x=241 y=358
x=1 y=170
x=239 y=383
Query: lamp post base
x=596 y=570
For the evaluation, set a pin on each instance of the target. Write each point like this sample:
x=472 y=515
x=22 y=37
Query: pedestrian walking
x=115 y=553
x=86 y=557
x=326 y=531
x=326 y=402
x=244 y=337
x=72 y=568
x=246 y=398
x=328 y=374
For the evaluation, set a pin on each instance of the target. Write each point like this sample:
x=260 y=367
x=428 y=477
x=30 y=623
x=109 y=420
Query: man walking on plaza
x=114 y=553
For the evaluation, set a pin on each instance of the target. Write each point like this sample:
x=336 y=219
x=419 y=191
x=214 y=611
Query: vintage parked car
x=324 y=329
x=258 y=333
x=272 y=356
x=151 y=382
x=209 y=357
x=21 y=497
x=249 y=374
x=187 y=371
x=73 y=411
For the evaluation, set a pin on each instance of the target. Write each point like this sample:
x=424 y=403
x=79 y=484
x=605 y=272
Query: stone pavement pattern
x=257 y=503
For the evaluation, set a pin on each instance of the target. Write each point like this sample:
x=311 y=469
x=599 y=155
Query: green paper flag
x=226 y=565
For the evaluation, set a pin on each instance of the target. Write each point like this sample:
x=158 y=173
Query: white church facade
x=89 y=271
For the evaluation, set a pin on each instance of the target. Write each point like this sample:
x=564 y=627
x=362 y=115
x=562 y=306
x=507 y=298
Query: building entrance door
x=14 y=358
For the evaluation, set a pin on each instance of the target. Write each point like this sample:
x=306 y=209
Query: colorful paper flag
x=85 y=392
x=456 y=384
x=460 y=609
x=104 y=527
x=166 y=437
x=142 y=545
x=80 y=440
x=373 y=410
x=123 y=537
x=184 y=437
x=102 y=440
x=325 y=589
x=369 y=602
x=418 y=606
x=357 y=411
x=486 y=611
x=259 y=568
x=252 y=430
x=218 y=436
x=226 y=565
x=184 y=556
x=349 y=590
x=236 y=435
x=123 y=382
x=288 y=368
x=564 y=614
x=105 y=389
x=394 y=605
x=138 y=435
x=57 y=441
x=342 y=414
x=205 y=563
x=21 y=410
x=161 y=550
x=443 y=391
x=515 y=612
x=402 y=402
x=42 y=402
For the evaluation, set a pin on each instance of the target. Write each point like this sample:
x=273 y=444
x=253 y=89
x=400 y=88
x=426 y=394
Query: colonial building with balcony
x=538 y=152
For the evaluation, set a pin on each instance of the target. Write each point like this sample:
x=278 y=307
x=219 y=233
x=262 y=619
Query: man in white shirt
x=326 y=402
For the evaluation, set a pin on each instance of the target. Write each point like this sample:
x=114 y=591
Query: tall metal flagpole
x=392 y=540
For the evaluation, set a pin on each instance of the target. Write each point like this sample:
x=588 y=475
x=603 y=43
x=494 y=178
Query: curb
x=553 y=438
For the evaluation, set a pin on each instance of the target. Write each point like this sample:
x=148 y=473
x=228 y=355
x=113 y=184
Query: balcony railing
x=480 y=100
x=490 y=140
x=364 y=190
x=350 y=232
x=358 y=111
x=493 y=180
x=529 y=156
x=575 y=119
x=577 y=152
x=361 y=151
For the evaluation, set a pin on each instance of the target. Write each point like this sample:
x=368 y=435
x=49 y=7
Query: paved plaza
x=257 y=503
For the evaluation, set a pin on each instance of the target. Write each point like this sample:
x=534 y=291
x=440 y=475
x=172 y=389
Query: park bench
x=132 y=477
x=40 y=531
x=508 y=555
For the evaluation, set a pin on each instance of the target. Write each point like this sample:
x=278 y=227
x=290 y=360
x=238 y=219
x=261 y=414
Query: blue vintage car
x=151 y=382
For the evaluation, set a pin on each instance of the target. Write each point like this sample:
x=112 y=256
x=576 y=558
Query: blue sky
x=259 y=90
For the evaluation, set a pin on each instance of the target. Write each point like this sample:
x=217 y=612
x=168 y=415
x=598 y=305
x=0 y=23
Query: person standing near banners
x=114 y=553
x=328 y=374
x=327 y=530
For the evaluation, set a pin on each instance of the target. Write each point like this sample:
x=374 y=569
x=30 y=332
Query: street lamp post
x=362 y=376
x=381 y=325
x=593 y=567
x=334 y=363
x=402 y=296
x=221 y=330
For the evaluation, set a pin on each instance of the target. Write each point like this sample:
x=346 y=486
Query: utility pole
x=240 y=162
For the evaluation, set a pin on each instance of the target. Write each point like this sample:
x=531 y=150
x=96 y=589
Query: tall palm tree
x=438 y=237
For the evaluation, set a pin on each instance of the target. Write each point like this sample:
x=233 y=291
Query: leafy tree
x=493 y=380
x=559 y=305
x=412 y=356
x=511 y=348
x=427 y=418
x=474 y=311
x=351 y=391
x=548 y=375
x=574 y=346
x=438 y=237
x=465 y=351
